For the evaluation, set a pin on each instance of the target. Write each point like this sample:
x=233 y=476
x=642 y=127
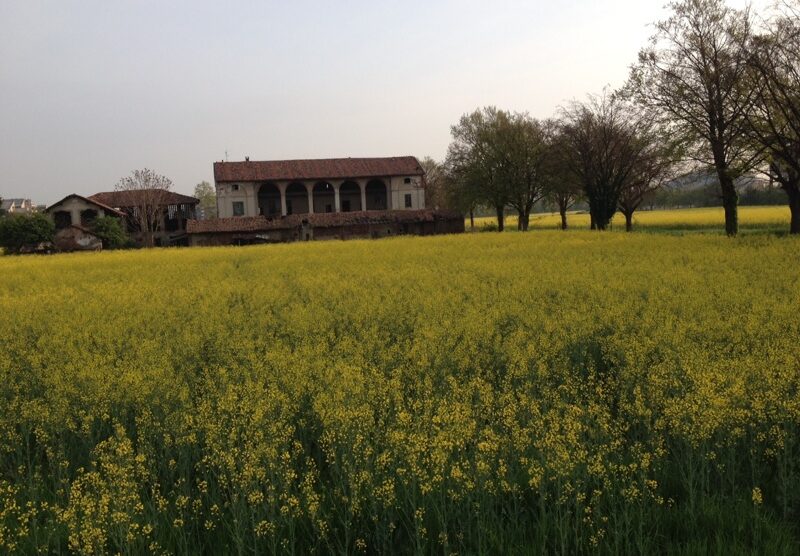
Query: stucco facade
x=283 y=188
x=75 y=210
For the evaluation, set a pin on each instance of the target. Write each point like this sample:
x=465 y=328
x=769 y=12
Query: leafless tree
x=774 y=125
x=146 y=195
x=562 y=189
x=693 y=76
x=603 y=147
x=656 y=165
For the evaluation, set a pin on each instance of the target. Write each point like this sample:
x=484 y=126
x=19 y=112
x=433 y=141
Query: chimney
x=247 y=159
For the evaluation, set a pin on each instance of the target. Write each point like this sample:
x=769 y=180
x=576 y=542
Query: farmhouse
x=286 y=187
x=76 y=210
x=174 y=211
x=298 y=200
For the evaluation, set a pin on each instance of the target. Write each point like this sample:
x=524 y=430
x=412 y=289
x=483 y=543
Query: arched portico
x=377 y=195
x=296 y=198
x=269 y=200
x=350 y=196
x=324 y=197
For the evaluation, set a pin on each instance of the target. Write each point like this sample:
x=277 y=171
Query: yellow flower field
x=535 y=393
x=712 y=218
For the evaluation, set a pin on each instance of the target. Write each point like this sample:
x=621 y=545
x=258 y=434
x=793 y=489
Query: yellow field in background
x=677 y=219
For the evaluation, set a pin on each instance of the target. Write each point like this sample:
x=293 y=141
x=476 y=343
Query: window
x=408 y=200
x=63 y=219
x=345 y=205
x=238 y=208
x=407 y=180
x=235 y=187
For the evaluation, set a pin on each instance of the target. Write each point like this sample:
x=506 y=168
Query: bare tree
x=692 y=74
x=656 y=164
x=562 y=189
x=775 y=123
x=603 y=147
x=147 y=193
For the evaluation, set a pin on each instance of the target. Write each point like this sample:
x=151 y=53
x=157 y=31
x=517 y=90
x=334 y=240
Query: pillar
x=282 y=189
x=363 y=186
x=337 y=205
x=310 y=190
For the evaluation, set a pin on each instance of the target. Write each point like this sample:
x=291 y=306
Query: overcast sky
x=90 y=90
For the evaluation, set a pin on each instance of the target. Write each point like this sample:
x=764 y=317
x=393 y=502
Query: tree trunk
x=524 y=220
x=794 y=208
x=562 y=210
x=628 y=221
x=592 y=223
x=501 y=219
x=471 y=220
x=730 y=200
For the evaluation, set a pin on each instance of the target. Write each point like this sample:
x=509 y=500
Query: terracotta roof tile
x=89 y=200
x=127 y=198
x=324 y=168
x=323 y=220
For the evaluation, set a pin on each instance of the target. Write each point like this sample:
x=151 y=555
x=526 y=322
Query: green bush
x=110 y=231
x=19 y=231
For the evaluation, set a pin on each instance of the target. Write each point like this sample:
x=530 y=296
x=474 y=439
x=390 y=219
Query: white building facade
x=282 y=188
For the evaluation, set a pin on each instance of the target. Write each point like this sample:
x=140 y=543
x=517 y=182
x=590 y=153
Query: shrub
x=110 y=231
x=19 y=231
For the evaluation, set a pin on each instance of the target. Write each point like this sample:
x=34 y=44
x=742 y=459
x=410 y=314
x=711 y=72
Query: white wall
x=399 y=190
x=248 y=194
x=226 y=196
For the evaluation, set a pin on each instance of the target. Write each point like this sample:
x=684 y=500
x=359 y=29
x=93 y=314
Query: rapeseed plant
x=509 y=393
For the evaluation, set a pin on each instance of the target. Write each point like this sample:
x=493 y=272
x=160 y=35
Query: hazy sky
x=90 y=90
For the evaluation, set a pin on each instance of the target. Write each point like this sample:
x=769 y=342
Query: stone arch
x=377 y=195
x=350 y=196
x=269 y=200
x=324 y=197
x=296 y=198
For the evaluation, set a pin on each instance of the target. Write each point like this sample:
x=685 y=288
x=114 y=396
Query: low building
x=76 y=210
x=277 y=188
x=17 y=206
x=176 y=210
x=248 y=230
x=174 y=213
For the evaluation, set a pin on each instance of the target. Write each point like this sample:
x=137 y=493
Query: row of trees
x=605 y=151
x=713 y=90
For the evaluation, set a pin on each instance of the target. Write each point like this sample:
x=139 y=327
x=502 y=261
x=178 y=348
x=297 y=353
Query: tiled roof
x=317 y=169
x=322 y=220
x=128 y=198
x=89 y=200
